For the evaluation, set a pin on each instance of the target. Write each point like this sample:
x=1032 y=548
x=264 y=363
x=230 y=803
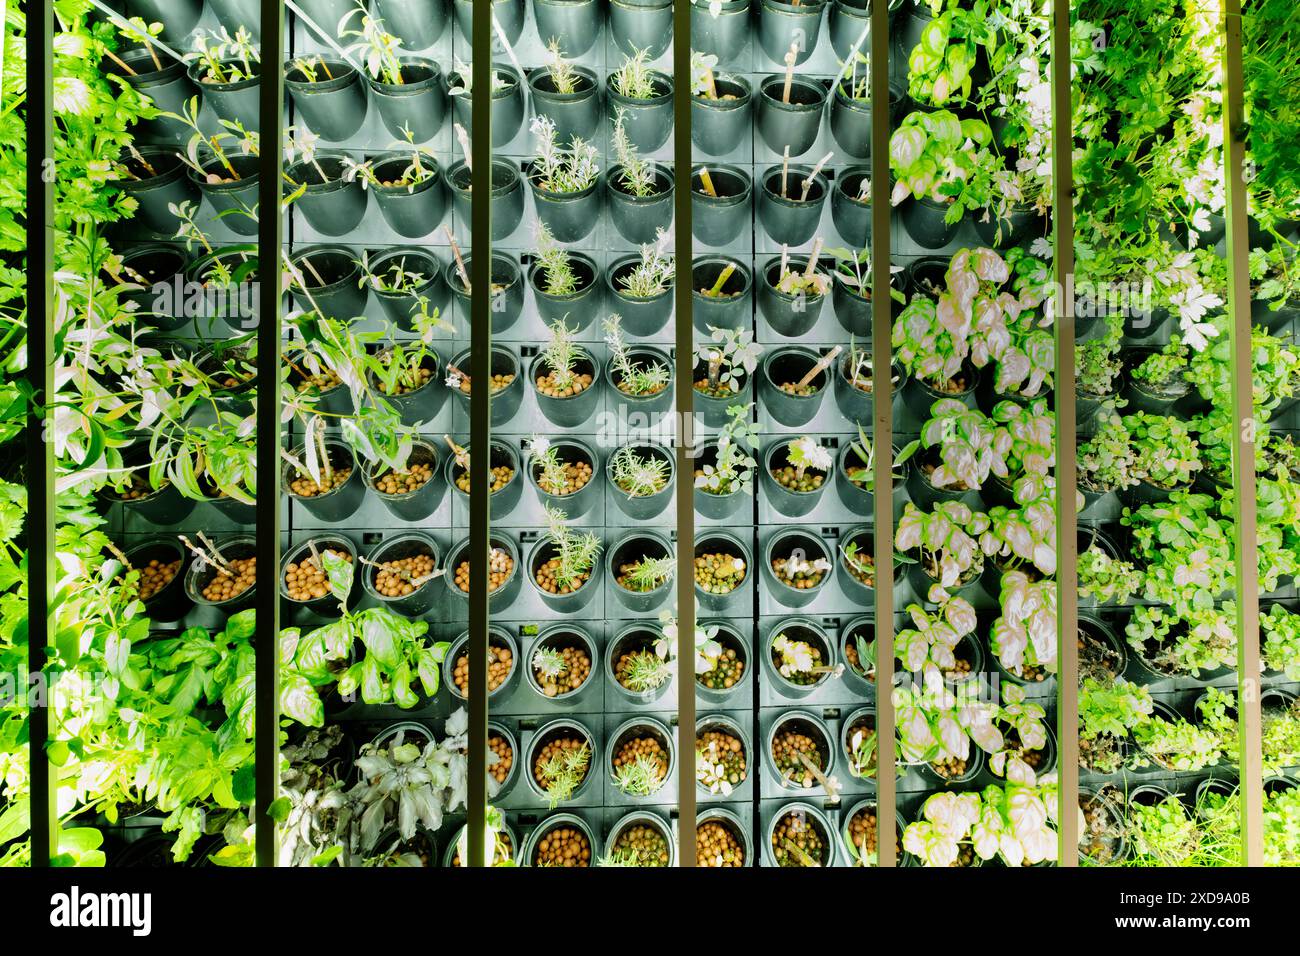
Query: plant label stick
x=821 y=366
x=707 y=182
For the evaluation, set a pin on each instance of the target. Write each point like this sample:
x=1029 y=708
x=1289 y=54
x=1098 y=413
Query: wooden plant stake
x=821 y=366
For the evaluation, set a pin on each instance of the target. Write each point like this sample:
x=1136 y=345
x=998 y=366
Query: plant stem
x=825 y=361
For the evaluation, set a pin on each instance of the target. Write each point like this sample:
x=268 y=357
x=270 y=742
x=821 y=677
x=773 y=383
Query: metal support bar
x=269 y=235
x=1245 y=509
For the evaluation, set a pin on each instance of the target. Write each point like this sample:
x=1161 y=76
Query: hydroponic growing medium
x=638 y=606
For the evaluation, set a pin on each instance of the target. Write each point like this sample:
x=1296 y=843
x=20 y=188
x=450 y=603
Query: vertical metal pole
x=684 y=375
x=269 y=234
x=1243 y=446
x=883 y=407
x=480 y=373
x=40 y=451
x=1067 y=542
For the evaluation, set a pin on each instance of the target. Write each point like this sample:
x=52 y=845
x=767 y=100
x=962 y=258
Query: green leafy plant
x=561 y=170
x=637 y=475
x=732 y=472
x=729 y=357
x=575 y=551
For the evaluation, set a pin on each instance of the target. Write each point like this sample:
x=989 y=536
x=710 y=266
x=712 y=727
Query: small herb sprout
x=634 y=79
x=563 y=772
x=639 y=477
x=728 y=353
x=560 y=170
x=648 y=573
x=636 y=175
x=557 y=270
x=416 y=172
x=561 y=354
x=645 y=671
x=653 y=275
x=575 y=552
x=563 y=76
x=634 y=378
x=554 y=477
x=225 y=59
x=805 y=453
x=550 y=662
x=639 y=778
x=734 y=469
x=465 y=76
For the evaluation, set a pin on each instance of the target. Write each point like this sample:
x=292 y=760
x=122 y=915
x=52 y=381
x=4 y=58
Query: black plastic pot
x=800 y=629
x=788 y=365
x=641 y=316
x=178 y=17
x=417 y=103
x=500 y=639
x=327 y=604
x=1021 y=224
x=331 y=281
x=859 y=594
x=417 y=23
x=852 y=216
x=572 y=601
x=166 y=506
x=853 y=310
x=632 y=547
x=644 y=507
x=560 y=637
x=507 y=107
x=790 y=219
x=506 y=592
x=858 y=499
x=509 y=13
x=718 y=220
x=234 y=14
x=856 y=403
x=576 y=409
x=576 y=115
x=334 y=205
x=234 y=197
x=718 y=126
x=333 y=107
x=640 y=408
x=921 y=581
x=1273 y=320
x=730 y=603
x=927 y=276
x=401 y=307
x=236 y=102
x=714 y=506
x=730 y=310
x=340 y=502
x=569 y=216
x=332 y=399
x=712 y=409
x=200 y=574
x=810 y=725
x=851 y=120
x=791 y=504
x=575 y=23
x=170 y=88
x=638 y=219
x=170 y=602
x=423 y=501
x=507 y=302
x=411 y=211
x=1144 y=397
x=723 y=35
x=794 y=124
x=783 y=544
x=782 y=24
x=646 y=121
x=163 y=299
x=919 y=397
x=577 y=503
x=507 y=196
x=395 y=547
x=729 y=639
x=504 y=402
x=924 y=220
x=641 y=25
x=845 y=25
x=793 y=316
x=167 y=185
x=220 y=363
x=577 y=309
x=504 y=499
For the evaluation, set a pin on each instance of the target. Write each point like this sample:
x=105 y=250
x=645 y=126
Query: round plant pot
x=425 y=593
x=507 y=106
x=790 y=219
x=576 y=503
x=561 y=637
x=507 y=290
x=858 y=499
x=422 y=501
x=417 y=23
x=577 y=114
x=504 y=401
x=722 y=817
x=848 y=22
x=234 y=194
x=639 y=219
x=715 y=506
x=499 y=639
x=648 y=821
x=925 y=494
x=161 y=184
x=860 y=594
x=562 y=727
x=505 y=593
x=234 y=14
x=793 y=316
x=1145 y=397
x=576 y=24
x=636 y=25
x=811 y=817
x=730 y=308
x=327 y=604
x=569 y=216
x=782 y=25
x=644 y=507
x=1092 y=800
x=630 y=548
x=339 y=502
x=640 y=408
x=417 y=103
x=719 y=124
x=169 y=602
x=507 y=196
x=568 y=602
x=711 y=408
x=801 y=722
x=791 y=504
x=722 y=33
x=410 y=211
x=647 y=122
x=573 y=410
x=556 y=821
x=974 y=764
x=334 y=205
x=334 y=107
x=509 y=13
x=784 y=544
x=428 y=285
x=330 y=275
x=859 y=678
x=230 y=301
x=505 y=498
x=162 y=299
x=788 y=365
x=855 y=402
x=631 y=639
x=641 y=727
x=921 y=581
x=919 y=396
x=794 y=123
x=234 y=102
x=201 y=573
x=170 y=88
x=718 y=220
x=1022 y=223
x=165 y=506
x=850 y=214
x=576 y=309
x=723 y=542
x=925 y=222
x=642 y=316
x=178 y=17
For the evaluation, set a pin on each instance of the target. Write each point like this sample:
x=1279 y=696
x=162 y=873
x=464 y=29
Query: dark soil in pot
x=341 y=489
x=718 y=217
x=719 y=122
x=507 y=482
x=567 y=397
x=417 y=103
x=329 y=275
x=638 y=219
x=160 y=182
x=503 y=572
x=414 y=492
x=784 y=394
x=403 y=573
x=1021 y=224
x=334 y=106
x=507 y=386
x=331 y=204
x=580 y=489
x=793 y=315
x=1102 y=655
x=576 y=113
x=507 y=290
x=721 y=293
x=413 y=210
x=507 y=196
x=576 y=309
x=634 y=571
x=304 y=581
x=792 y=123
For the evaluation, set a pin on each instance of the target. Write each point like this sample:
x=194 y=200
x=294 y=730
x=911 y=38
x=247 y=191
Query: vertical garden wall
x=1083 y=632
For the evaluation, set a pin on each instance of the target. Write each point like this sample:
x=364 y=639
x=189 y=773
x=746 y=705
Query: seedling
x=639 y=477
x=634 y=79
x=636 y=174
x=553 y=259
x=575 y=552
x=563 y=773
x=643 y=378
x=653 y=275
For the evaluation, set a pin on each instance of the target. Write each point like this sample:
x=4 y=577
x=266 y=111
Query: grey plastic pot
x=641 y=316
x=556 y=820
x=575 y=23
x=327 y=604
x=417 y=103
x=919 y=397
x=716 y=541
x=791 y=504
x=413 y=211
x=851 y=119
x=417 y=23
x=861 y=682
x=505 y=594
x=719 y=220
x=504 y=402
x=340 y=296
x=1021 y=224
x=178 y=17
x=395 y=547
x=509 y=13
x=803 y=629
x=155 y=191
x=640 y=408
x=169 y=88
x=847 y=21
x=810 y=815
x=170 y=602
x=790 y=219
x=813 y=726
x=787 y=365
x=794 y=124
x=339 y=502
x=498 y=637
x=507 y=302
x=637 y=636
x=714 y=506
x=851 y=216
x=504 y=499
x=644 y=819
x=722 y=35
x=334 y=107
x=641 y=25
x=718 y=125
x=329 y=13
x=234 y=14
x=642 y=727
x=235 y=196
x=569 y=216
x=576 y=115
x=861 y=595
x=236 y=102
x=644 y=507
x=853 y=311
x=633 y=546
x=577 y=309
x=783 y=544
x=793 y=316
x=569 y=602
x=924 y=220
x=163 y=300
x=728 y=820
x=729 y=639
x=401 y=307
x=576 y=409
x=507 y=107
x=507 y=196
x=334 y=206
x=423 y=501
x=553 y=728
x=732 y=309
x=200 y=574
x=855 y=403
x=638 y=219
x=782 y=24
x=647 y=122
x=560 y=636
x=577 y=503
